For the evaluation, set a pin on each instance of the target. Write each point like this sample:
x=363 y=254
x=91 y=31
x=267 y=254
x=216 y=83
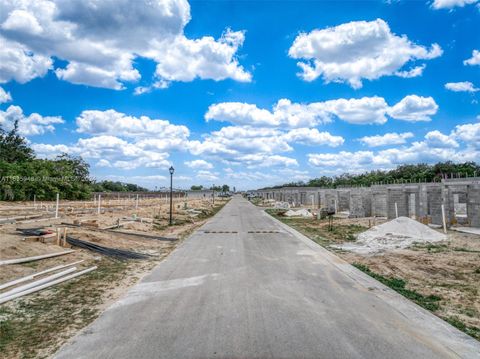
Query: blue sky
x=249 y=93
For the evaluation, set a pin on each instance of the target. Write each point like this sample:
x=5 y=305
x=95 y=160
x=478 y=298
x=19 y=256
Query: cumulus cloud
x=4 y=96
x=199 y=164
x=460 y=145
x=387 y=139
x=284 y=113
x=109 y=151
x=311 y=136
x=100 y=40
x=449 y=4
x=207 y=175
x=111 y=122
x=358 y=50
x=474 y=60
x=464 y=86
x=414 y=108
x=31 y=125
x=365 y=110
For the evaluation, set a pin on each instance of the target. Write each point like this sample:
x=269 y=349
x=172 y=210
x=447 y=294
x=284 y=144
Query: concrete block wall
x=360 y=204
x=473 y=204
x=435 y=201
x=343 y=200
x=418 y=200
x=398 y=196
x=379 y=202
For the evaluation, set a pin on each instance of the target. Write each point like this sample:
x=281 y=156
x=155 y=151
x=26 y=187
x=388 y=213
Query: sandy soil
x=31 y=325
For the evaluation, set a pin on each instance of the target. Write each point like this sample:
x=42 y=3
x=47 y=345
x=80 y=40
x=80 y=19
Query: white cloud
x=365 y=110
x=31 y=125
x=474 y=60
x=464 y=86
x=19 y=64
x=436 y=139
x=207 y=175
x=5 y=96
x=285 y=113
x=311 y=136
x=358 y=50
x=199 y=164
x=100 y=40
x=414 y=72
x=462 y=144
x=414 y=108
x=469 y=133
x=246 y=146
x=386 y=139
x=111 y=122
x=449 y=4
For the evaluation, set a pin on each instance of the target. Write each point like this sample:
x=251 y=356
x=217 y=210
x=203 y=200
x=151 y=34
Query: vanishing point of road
x=246 y=286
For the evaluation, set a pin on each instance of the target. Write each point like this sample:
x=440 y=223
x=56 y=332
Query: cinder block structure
x=459 y=198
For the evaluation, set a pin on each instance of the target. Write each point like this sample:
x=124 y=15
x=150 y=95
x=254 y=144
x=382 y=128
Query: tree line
x=405 y=173
x=23 y=175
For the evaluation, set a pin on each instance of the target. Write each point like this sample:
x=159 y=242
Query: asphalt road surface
x=246 y=286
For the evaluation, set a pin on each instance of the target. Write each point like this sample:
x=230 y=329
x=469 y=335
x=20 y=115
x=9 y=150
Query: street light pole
x=171 y=170
x=213 y=195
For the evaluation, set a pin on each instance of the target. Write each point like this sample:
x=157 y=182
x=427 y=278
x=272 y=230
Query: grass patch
x=460 y=249
x=457 y=323
x=41 y=320
x=430 y=247
x=319 y=231
x=430 y=302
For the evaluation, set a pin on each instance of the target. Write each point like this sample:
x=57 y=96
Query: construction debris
x=112 y=252
x=35 y=258
x=39 y=287
x=33 y=276
x=299 y=213
x=401 y=232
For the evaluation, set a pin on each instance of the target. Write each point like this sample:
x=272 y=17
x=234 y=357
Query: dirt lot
x=34 y=326
x=442 y=277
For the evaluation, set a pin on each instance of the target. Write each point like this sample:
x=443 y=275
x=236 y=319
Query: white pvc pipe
x=99 y=202
x=396 y=210
x=37 y=282
x=56 y=207
x=35 y=258
x=444 y=220
x=46 y=285
x=34 y=275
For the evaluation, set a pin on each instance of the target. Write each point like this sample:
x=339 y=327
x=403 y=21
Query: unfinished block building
x=459 y=198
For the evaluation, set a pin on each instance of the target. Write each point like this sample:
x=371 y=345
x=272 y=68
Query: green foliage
x=406 y=173
x=428 y=302
x=225 y=188
x=13 y=147
x=110 y=186
x=196 y=188
x=22 y=175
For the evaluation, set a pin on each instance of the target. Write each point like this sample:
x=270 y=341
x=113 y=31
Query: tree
x=225 y=188
x=196 y=188
x=13 y=147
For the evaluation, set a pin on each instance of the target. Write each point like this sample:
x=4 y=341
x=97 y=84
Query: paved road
x=263 y=295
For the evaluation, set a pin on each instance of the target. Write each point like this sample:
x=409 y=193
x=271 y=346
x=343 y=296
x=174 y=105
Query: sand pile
x=401 y=232
x=298 y=213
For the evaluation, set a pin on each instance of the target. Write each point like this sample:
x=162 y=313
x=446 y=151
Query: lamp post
x=171 y=170
x=213 y=195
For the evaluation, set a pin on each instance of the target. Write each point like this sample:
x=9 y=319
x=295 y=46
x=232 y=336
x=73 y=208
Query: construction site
x=420 y=239
x=63 y=262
